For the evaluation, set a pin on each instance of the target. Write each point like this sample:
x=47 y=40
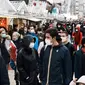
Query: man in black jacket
x=4 y=80
x=79 y=66
x=55 y=61
x=64 y=36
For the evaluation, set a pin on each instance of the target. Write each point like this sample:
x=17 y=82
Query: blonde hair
x=16 y=33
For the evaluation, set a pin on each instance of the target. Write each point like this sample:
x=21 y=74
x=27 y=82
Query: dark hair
x=53 y=33
x=39 y=29
x=32 y=26
x=64 y=32
x=83 y=41
x=28 y=27
x=3 y=28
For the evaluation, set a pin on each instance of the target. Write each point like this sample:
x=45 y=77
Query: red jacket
x=13 y=51
x=77 y=37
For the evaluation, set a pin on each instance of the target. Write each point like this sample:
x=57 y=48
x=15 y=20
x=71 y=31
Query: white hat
x=81 y=80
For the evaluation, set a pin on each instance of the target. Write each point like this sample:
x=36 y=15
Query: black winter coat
x=18 y=43
x=60 y=68
x=71 y=50
x=4 y=80
x=79 y=65
x=27 y=66
x=5 y=53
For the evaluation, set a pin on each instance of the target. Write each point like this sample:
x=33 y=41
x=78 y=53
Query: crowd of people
x=46 y=55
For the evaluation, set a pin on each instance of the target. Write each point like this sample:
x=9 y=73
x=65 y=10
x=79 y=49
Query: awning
x=34 y=19
x=6 y=7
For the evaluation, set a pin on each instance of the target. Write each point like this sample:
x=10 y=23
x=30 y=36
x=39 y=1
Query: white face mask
x=59 y=26
x=31 y=45
x=48 y=42
x=64 y=39
x=32 y=31
x=25 y=30
x=15 y=39
x=76 y=30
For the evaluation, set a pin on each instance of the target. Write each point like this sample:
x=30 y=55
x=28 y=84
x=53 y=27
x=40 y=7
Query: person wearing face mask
x=33 y=33
x=31 y=30
x=64 y=37
x=55 y=61
x=4 y=44
x=77 y=36
x=27 y=62
x=16 y=39
x=18 y=43
x=60 y=27
x=79 y=64
x=44 y=44
x=4 y=79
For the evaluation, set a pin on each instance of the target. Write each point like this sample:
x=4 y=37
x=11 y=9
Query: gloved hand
x=12 y=64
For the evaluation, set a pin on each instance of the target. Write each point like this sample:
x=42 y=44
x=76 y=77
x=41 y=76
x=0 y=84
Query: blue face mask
x=3 y=35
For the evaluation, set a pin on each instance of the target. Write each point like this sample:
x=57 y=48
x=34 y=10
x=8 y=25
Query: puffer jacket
x=60 y=68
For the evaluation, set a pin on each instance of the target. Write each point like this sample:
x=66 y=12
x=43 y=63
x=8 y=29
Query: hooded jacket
x=27 y=62
x=36 y=40
x=60 y=68
x=78 y=36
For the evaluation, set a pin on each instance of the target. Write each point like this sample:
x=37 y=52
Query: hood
x=36 y=40
x=78 y=29
x=27 y=40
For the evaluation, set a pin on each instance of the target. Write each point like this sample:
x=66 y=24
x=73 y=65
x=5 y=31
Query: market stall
x=6 y=9
x=22 y=12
